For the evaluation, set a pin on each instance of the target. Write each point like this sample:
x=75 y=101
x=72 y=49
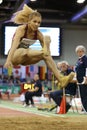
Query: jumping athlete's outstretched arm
x=15 y=42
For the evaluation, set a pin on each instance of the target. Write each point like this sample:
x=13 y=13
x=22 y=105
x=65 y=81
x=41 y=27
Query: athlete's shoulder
x=21 y=27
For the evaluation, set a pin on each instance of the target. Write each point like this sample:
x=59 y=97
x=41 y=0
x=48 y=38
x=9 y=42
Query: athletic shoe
x=32 y=106
x=66 y=79
x=25 y=105
x=83 y=112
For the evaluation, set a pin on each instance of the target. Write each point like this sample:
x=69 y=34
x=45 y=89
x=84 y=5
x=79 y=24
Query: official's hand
x=85 y=80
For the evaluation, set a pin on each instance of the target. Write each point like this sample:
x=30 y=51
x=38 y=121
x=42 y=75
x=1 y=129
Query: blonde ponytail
x=22 y=17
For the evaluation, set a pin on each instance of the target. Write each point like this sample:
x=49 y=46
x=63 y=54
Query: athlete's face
x=34 y=23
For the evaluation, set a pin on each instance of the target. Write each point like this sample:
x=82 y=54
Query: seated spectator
x=37 y=91
x=69 y=89
x=10 y=88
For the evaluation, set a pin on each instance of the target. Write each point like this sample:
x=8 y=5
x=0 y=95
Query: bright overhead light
x=80 y=1
x=1 y=1
x=33 y=0
x=80 y=14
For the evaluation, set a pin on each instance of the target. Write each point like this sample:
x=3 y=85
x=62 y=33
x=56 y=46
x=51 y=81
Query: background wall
x=71 y=37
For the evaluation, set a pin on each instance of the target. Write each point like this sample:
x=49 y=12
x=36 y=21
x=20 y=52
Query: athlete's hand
x=7 y=65
x=46 y=52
